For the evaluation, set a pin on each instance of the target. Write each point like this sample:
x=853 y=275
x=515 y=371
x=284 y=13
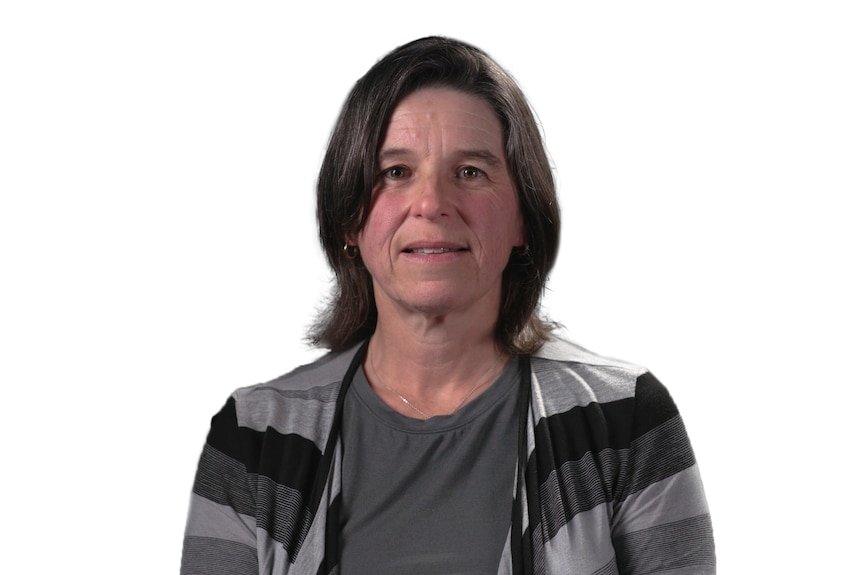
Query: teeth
x=432 y=250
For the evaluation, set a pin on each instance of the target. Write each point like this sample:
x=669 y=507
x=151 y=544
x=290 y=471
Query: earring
x=521 y=256
x=350 y=251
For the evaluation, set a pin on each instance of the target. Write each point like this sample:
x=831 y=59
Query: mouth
x=430 y=251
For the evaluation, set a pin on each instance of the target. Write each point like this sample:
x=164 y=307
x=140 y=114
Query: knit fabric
x=610 y=483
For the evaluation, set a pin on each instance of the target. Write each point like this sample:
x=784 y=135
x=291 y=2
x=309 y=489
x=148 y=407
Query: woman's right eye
x=395 y=173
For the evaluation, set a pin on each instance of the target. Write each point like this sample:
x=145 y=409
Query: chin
x=433 y=305
x=439 y=300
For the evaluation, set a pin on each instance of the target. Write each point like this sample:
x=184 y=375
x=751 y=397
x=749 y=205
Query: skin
x=443 y=221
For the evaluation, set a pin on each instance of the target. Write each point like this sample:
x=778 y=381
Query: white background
x=158 y=243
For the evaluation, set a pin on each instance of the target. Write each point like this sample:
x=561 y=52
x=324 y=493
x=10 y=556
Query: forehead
x=447 y=114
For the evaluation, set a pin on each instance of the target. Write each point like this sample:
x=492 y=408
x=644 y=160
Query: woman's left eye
x=469 y=172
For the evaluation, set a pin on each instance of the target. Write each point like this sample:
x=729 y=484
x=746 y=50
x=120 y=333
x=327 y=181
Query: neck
x=427 y=366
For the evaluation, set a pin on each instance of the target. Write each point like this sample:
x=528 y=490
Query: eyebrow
x=389 y=153
x=478 y=154
x=485 y=155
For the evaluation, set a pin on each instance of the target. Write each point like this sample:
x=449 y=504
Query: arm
x=661 y=522
x=221 y=530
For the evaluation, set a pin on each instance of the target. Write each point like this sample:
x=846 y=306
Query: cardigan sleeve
x=661 y=522
x=220 y=537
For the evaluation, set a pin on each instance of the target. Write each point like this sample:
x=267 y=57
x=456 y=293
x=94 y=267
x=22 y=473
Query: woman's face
x=444 y=214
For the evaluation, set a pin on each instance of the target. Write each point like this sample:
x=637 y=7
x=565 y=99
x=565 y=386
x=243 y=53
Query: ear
x=521 y=234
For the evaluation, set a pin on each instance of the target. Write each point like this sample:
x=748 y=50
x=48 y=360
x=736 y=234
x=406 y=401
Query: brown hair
x=347 y=174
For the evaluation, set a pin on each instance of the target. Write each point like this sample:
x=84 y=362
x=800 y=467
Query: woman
x=449 y=430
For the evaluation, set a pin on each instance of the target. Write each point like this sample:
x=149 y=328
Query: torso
x=430 y=496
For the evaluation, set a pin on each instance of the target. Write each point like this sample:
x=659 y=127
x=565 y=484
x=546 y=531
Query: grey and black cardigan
x=606 y=482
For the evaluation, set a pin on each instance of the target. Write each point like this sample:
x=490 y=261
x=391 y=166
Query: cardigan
x=606 y=480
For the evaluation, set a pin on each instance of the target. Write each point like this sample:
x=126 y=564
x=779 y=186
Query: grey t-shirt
x=428 y=497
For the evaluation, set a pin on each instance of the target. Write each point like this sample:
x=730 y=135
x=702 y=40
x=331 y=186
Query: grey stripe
x=567 y=385
x=691 y=570
x=210 y=519
x=505 y=566
x=583 y=545
x=282 y=409
x=328 y=369
x=578 y=486
x=279 y=403
x=681 y=544
x=560 y=349
x=224 y=480
x=658 y=454
x=681 y=496
x=210 y=556
x=282 y=513
x=272 y=556
x=540 y=567
x=322 y=393
x=609 y=568
x=278 y=509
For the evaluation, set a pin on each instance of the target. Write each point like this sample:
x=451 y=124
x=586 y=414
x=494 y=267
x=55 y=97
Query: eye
x=470 y=172
x=395 y=173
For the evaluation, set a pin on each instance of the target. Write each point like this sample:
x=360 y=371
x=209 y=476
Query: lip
x=428 y=251
x=434 y=248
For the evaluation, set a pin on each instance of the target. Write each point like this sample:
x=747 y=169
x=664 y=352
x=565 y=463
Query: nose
x=432 y=197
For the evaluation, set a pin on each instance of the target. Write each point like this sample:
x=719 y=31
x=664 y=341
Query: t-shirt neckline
x=505 y=383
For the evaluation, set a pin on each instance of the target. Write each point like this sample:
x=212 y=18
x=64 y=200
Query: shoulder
x=299 y=402
x=305 y=381
x=560 y=348
x=564 y=368
x=568 y=375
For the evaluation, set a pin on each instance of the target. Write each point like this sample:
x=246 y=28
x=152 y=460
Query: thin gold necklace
x=409 y=404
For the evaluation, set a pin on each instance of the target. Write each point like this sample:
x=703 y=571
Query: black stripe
x=521 y=558
x=290 y=460
x=685 y=543
x=602 y=452
x=600 y=426
x=287 y=459
x=224 y=480
x=611 y=475
x=658 y=454
x=654 y=405
x=224 y=432
x=284 y=513
x=267 y=475
x=578 y=486
x=581 y=430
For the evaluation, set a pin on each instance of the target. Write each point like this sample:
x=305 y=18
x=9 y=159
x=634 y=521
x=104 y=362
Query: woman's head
x=350 y=168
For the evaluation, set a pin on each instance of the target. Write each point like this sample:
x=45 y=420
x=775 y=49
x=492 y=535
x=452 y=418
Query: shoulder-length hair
x=347 y=176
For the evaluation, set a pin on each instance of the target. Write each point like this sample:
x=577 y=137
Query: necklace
x=408 y=403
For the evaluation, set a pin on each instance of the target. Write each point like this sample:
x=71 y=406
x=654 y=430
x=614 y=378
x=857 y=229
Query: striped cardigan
x=606 y=483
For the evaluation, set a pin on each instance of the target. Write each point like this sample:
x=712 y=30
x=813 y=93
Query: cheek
x=516 y=223
x=383 y=221
x=502 y=223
